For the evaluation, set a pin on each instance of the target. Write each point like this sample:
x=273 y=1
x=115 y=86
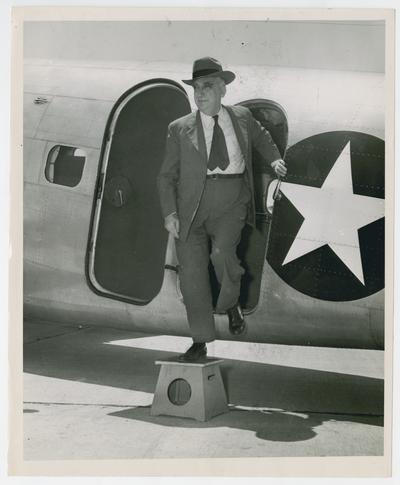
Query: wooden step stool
x=189 y=389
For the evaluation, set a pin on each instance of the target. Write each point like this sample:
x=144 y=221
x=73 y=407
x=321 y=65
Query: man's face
x=208 y=92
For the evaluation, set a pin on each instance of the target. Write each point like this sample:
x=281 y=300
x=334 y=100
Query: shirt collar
x=209 y=119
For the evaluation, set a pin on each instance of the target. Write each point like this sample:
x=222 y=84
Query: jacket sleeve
x=264 y=144
x=168 y=176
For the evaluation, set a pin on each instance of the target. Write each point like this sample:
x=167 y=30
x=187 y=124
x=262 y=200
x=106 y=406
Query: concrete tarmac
x=88 y=394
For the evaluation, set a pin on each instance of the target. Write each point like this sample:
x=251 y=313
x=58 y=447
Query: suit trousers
x=220 y=219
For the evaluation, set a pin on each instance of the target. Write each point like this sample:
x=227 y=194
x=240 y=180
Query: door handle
x=118 y=190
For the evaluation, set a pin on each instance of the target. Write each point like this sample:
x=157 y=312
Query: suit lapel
x=200 y=136
x=196 y=134
x=240 y=127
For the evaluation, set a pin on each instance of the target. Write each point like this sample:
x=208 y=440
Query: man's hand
x=279 y=167
x=171 y=224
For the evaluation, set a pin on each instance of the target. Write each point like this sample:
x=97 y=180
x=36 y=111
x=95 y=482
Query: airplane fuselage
x=76 y=106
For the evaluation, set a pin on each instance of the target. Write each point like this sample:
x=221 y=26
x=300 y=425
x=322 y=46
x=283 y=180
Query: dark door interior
x=131 y=241
x=253 y=246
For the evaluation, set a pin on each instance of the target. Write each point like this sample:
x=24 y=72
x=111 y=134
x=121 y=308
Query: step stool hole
x=179 y=392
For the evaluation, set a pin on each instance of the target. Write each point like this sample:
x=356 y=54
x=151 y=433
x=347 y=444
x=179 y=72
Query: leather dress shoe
x=197 y=351
x=237 y=325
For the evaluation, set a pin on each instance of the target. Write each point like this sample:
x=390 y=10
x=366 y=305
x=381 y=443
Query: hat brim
x=227 y=76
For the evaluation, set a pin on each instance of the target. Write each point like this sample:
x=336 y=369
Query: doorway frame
x=98 y=192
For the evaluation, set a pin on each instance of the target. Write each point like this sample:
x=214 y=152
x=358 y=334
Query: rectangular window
x=64 y=165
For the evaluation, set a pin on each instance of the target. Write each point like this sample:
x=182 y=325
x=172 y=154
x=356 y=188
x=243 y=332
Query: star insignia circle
x=327 y=235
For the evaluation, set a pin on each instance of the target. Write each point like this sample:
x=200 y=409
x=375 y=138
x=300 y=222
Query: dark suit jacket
x=183 y=172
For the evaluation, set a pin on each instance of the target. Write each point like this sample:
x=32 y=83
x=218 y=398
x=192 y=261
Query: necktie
x=219 y=153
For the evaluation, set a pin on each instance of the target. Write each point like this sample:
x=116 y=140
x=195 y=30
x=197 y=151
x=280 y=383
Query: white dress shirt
x=236 y=161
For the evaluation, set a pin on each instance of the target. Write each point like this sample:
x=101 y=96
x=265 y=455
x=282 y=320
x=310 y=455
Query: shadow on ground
x=86 y=356
x=266 y=424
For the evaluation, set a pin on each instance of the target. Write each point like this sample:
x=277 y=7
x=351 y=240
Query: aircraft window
x=65 y=165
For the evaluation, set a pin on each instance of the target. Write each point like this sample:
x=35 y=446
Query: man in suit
x=207 y=193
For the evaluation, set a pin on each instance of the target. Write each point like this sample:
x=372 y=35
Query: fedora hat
x=207 y=66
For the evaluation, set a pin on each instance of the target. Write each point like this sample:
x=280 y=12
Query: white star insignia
x=332 y=215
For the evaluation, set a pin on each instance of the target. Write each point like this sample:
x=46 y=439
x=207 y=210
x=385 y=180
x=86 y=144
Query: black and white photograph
x=204 y=241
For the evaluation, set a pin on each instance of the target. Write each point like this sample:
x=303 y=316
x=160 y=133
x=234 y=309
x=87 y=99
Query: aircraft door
x=253 y=246
x=128 y=240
